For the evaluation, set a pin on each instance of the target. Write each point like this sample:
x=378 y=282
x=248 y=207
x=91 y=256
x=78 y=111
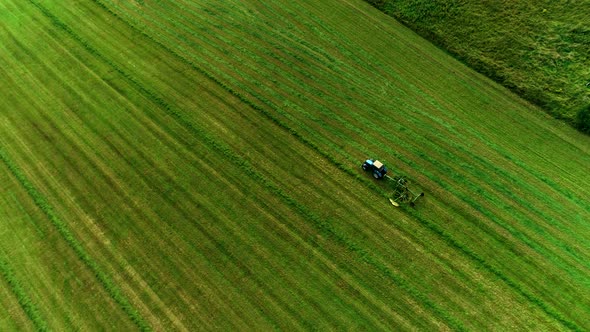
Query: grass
x=537 y=49
x=195 y=180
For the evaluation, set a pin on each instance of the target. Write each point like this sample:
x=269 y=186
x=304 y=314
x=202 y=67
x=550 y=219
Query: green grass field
x=184 y=165
x=538 y=49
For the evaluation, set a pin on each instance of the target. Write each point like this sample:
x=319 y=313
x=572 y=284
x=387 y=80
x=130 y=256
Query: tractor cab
x=376 y=167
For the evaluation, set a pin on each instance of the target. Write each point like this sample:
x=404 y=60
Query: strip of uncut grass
x=523 y=164
x=42 y=204
x=380 y=65
x=344 y=43
x=23 y=299
x=397 y=35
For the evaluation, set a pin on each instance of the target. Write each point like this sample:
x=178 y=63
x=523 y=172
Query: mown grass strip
x=514 y=285
x=23 y=299
x=69 y=238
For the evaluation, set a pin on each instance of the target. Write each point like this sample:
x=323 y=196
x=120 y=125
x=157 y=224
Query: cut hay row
x=42 y=204
x=23 y=299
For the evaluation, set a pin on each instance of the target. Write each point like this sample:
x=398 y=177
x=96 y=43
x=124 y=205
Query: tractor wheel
x=376 y=175
x=365 y=167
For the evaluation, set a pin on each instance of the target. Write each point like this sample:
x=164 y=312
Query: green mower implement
x=401 y=193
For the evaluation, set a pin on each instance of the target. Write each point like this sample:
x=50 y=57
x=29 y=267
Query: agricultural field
x=195 y=165
x=538 y=49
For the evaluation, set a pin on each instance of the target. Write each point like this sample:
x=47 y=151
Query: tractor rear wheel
x=376 y=175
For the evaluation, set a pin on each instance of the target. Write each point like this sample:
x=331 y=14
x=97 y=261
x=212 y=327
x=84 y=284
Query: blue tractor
x=376 y=167
x=399 y=183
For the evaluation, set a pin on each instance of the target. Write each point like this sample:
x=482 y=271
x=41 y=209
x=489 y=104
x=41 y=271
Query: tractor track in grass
x=420 y=91
x=309 y=143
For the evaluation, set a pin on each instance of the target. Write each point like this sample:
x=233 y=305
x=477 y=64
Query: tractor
x=401 y=192
x=376 y=167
